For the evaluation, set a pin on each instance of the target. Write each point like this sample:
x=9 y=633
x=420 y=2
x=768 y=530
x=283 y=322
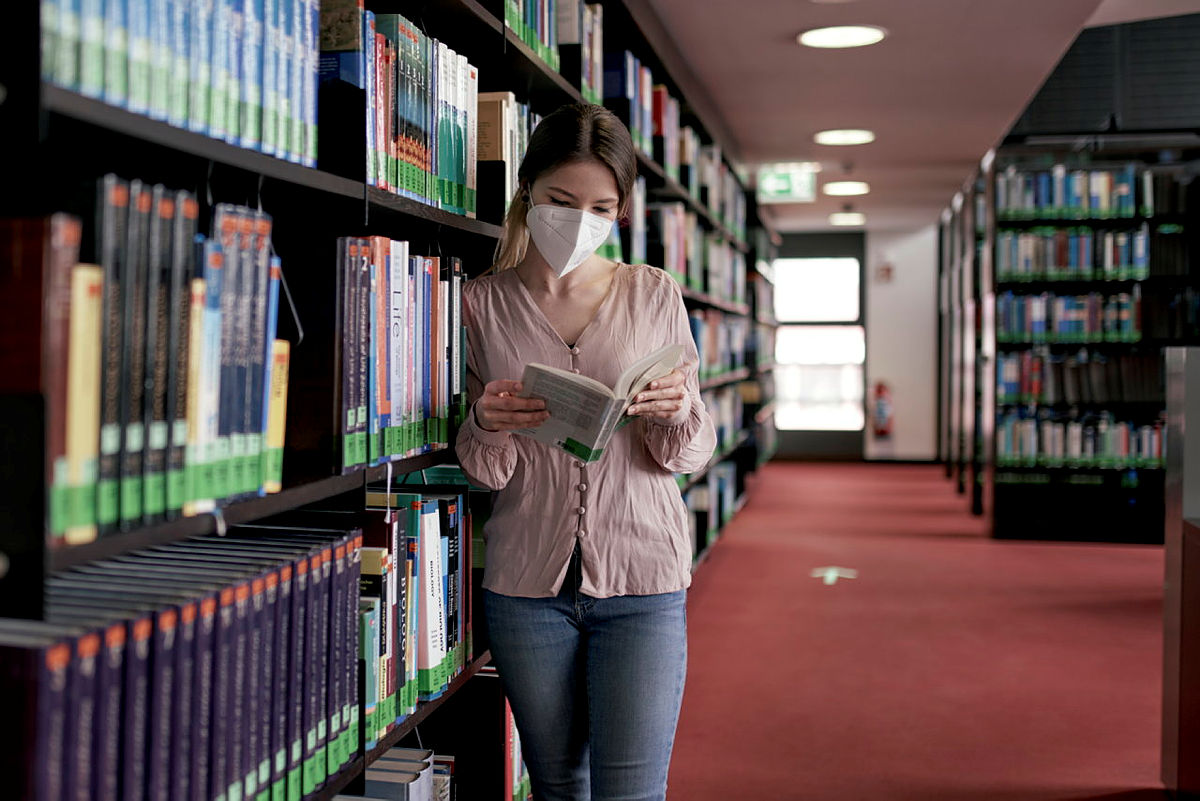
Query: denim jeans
x=595 y=686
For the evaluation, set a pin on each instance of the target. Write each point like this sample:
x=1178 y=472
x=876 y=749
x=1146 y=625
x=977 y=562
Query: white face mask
x=566 y=237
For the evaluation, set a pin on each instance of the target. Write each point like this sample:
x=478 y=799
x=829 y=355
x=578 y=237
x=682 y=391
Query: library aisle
x=953 y=667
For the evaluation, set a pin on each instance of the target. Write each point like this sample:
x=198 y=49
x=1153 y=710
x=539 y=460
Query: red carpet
x=953 y=668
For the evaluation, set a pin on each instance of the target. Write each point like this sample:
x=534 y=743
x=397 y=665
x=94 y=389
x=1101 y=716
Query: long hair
x=575 y=132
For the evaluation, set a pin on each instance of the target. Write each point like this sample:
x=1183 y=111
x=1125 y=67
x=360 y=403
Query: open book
x=583 y=412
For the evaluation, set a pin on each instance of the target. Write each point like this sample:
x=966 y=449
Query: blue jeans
x=595 y=686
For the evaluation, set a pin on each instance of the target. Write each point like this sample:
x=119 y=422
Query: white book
x=397 y=331
x=584 y=413
x=431 y=630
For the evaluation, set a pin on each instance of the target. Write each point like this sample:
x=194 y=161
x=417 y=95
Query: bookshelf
x=1084 y=277
x=52 y=137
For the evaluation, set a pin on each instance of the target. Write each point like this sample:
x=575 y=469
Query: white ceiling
x=940 y=91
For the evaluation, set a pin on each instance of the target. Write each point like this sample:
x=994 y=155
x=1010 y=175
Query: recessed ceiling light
x=842 y=36
x=846 y=188
x=847 y=218
x=844 y=136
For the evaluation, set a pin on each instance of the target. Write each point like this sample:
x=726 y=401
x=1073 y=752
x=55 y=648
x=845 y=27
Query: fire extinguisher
x=881 y=408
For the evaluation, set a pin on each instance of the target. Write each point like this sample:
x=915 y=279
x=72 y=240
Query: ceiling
x=940 y=91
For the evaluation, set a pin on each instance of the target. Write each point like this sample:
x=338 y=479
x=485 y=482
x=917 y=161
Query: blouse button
x=574 y=369
x=581 y=509
x=575 y=351
x=582 y=488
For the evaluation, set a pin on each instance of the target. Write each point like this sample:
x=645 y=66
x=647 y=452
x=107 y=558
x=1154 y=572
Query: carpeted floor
x=953 y=668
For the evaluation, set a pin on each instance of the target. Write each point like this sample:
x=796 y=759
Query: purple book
x=34 y=675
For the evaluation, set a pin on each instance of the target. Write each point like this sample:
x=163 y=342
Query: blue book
x=272 y=323
x=159 y=40
x=295 y=81
x=312 y=20
x=116 y=52
x=270 y=67
x=66 y=61
x=179 y=72
x=218 y=107
x=92 y=48
x=283 y=77
x=233 y=100
x=200 y=75
x=427 y=323
x=138 y=26
x=250 y=107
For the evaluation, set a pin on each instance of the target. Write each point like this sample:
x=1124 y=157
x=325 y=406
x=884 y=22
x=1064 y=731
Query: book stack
x=1079 y=253
x=722 y=484
x=673 y=239
x=214 y=668
x=634 y=236
x=628 y=92
x=689 y=161
x=1081 y=192
x=1039 y=376
x=720 y=341
x=724 y=269
x=725 y=406
x=1027 y=437
x=517 y=786
x=666 y=130
x=536 y=24
x=165 y=383
x=504 y=129
x=1047 y=317
x=244 y=72
x=403 y=366
x=420 y=103
x=581 y=46
x=416 y=598
x=409 y=774
x=760 y=345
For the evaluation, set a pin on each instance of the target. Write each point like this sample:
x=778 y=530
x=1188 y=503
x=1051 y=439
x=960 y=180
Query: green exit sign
x=793 y=182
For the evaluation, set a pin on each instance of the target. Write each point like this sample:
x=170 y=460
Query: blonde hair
x=575 y=132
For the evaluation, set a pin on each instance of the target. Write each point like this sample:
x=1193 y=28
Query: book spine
x=312 y=59
x=297 y=688
x=363 y=318
x=250 y=107
x=335 y=676
x=274 y=403
x=135 y=709
x=116 y=53
x=270 y=71
x=91 y=48
x=160 y=57
x=133 y=322
x=262 y=329
x=379 y=250
x=64 y=63
x=278 y=689
x=200 y=65
x=158 y=354
x=181 y=711
x=372 y=381
x=182 y=266
x=159 y=739
x=83 y=402
x=179 y=27
x=218 y=106
x=137 y=23
x=295 y=87
x=112 y=212
x=211 y=378
x=233 y=61
x=244 y=348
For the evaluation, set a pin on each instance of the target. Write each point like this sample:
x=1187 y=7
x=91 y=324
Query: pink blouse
x=625 y=509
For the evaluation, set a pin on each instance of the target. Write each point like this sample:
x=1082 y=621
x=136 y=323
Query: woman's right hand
x=500 y=408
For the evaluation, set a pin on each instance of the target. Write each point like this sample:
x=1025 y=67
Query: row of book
x=212 y=668
x=536 y=24
x=763 y=293
x=726 y=408
x=157 y=356
x=504 y=129
x=711 y=503
x=1047 y=317
x=698 y=259
x=1083 y=253
x=1039 y=376
x=244 y=72
x=403 y=365
x=421 y=106
x=581 y=46
x=1097 y=440
x=1066 y=192
x=721 y=341
x=760 y=345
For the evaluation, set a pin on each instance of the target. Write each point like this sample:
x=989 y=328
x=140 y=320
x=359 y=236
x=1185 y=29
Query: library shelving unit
x=53 y=139
x=1085 y=275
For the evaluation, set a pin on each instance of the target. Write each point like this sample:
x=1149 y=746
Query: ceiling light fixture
x=844 y=136
x=847 y=217
x=846 y=188
x=840 y=36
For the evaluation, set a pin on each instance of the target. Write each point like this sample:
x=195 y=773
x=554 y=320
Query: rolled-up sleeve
x=684 y=442
x=488 y=458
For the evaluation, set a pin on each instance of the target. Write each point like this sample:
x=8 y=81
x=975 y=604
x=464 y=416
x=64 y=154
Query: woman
x=587 y=564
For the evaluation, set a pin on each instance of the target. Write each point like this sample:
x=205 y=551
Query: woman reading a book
x=588 y=553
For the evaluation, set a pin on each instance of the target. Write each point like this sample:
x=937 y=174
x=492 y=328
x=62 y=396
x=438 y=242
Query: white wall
x=902 y=340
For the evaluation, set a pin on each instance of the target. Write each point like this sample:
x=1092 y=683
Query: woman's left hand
x=663 y=398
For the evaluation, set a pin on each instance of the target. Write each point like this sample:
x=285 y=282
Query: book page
x=642 y=372
x=578 y=407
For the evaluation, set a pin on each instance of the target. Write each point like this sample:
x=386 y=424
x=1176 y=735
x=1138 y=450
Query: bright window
x=819 y=378
x=817 y=290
